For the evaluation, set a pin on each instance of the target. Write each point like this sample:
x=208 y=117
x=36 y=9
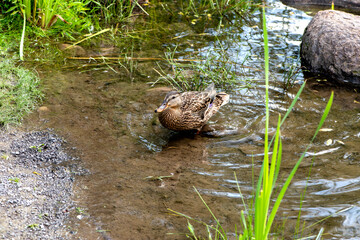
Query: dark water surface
x=111 y=122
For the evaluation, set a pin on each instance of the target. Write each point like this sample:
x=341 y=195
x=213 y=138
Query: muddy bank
x=36 y=186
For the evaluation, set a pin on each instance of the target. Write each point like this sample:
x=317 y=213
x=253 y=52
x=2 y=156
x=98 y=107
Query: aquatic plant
x=291 y=72
x=214 y=64
x=220 y=7
x=257 y=221
x=195 y=74
x=112 y=11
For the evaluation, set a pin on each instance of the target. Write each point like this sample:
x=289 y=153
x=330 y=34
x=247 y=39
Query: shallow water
x=139 y=170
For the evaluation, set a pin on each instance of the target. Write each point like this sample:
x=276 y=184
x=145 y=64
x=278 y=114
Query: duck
x=184 y=111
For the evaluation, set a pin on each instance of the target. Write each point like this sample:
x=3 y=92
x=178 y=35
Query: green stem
x=22 y=39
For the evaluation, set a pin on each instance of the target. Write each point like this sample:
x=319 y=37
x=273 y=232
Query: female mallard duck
x=190 y=110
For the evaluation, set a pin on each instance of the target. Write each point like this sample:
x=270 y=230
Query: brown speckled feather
x=194 y=109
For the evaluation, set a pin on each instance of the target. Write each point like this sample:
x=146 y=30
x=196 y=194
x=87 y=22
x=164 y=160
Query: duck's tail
x=222 y=98
x=210 y=88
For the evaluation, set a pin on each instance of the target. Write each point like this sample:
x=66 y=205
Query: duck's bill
x=161 y=108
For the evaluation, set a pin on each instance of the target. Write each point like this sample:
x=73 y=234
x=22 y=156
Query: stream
x=139 y=170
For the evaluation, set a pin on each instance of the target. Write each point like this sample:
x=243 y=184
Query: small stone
x=43 y=109
x=72 y=50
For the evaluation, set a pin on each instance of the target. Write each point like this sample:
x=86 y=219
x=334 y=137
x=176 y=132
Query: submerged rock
x=331 y=46
x=72 y=50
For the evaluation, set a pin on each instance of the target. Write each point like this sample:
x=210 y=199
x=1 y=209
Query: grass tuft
x=19 y=92
x=196 y=74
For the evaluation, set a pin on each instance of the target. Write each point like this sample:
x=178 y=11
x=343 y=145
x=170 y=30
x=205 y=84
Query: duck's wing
x=197 y=103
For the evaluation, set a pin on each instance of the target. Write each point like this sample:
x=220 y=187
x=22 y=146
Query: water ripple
x=330 y=187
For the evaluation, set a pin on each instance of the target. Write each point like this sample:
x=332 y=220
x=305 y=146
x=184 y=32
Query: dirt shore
x=36 y=186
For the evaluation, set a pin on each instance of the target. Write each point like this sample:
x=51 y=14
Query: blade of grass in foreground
x=290 y=108
x=261 y=204
x=292 y=173
x=268 y=176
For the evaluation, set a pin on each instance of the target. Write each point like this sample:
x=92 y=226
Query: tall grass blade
x=278 y=162
x=276 y=158
x=242 y=197
x=34 y=9
x=221 y=231
x=136 y=2
x=292 y=173
x=243 y=220
x=323 y=118
x=260 y=202
x=209 y=232
x=268 y=176
x=192 y=231
x=291 y=107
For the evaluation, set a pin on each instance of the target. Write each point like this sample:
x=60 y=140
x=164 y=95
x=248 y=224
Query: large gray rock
x=349 y=4
x=331 y=46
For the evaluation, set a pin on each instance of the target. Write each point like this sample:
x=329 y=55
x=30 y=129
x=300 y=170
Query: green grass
x=19 y=92
x=33 y=226
x=111 y=11
x=196 y=74
x=257 y=221
x=291 y=72
x=14 y=180
x=54 y=18
x=43 y=13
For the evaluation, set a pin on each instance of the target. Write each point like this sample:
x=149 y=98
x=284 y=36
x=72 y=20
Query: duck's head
x=172 y=100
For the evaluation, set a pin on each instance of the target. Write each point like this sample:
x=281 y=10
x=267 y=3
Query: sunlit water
x=112 y=124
